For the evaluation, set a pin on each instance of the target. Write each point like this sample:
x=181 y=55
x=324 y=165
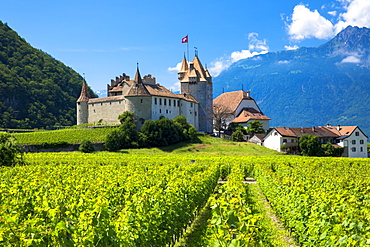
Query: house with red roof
x=351 y=138
x=239 y=107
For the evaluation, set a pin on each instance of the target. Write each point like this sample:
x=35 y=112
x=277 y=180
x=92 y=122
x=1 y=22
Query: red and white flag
x=185 y=39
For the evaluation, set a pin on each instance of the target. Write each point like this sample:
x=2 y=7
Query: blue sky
x=103 y=39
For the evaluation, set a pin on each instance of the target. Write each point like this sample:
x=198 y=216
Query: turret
x=82 y=108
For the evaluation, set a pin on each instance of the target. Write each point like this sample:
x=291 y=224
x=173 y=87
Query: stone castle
x=149 y=100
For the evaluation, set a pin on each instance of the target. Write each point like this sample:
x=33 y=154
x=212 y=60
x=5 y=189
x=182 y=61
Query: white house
x=239 y=107
x=350 y=137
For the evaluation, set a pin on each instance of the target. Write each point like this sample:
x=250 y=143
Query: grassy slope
x=206 y=145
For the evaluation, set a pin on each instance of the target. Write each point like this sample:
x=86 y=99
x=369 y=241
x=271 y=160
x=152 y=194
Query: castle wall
x=190 y=110
x=163 y=106
x=108 y=111
x=141 y=106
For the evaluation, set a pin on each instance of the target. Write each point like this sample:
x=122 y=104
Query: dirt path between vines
x=283 y=232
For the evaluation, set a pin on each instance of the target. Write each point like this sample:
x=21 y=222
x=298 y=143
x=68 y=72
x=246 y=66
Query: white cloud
x=305 y=24
x=309 y=24
x=283 y=62
x=351 y=59
x=290 y=48
x=357 y=14
x=176 y=68
x=255 y=47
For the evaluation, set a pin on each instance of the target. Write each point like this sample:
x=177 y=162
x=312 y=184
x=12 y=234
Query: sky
x=104 y=39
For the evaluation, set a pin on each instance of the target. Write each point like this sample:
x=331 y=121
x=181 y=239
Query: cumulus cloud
x=309 y=24
x=290 y=48
x=256 y=46
x=175 y=69
x=305 y=23
x=351 y=59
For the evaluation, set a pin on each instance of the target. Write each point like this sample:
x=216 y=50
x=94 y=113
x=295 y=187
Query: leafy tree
x=255 y=127
x=238 y=136
x=186 y=130
x=329 y=150
x=86 y=146
x=309 y=145
x=10 y=154
x=126 y=136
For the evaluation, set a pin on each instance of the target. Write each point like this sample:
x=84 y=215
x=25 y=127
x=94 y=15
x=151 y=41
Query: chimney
x=248 y=93
x=338 y=127
x=328 y=125
x=313 y=128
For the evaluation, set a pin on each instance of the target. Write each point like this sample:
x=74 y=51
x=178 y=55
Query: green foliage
x=10 y=154
x=86 y=146
x=255 y=127
x=125 y=136
x=238 y=136
x=329 y=150
x=36 y=91
x=65 y=136
x=309 y=145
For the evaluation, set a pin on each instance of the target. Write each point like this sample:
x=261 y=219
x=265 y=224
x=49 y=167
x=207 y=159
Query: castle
x=149 y=100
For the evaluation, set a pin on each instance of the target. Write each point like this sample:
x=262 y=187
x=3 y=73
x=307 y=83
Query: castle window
x=195 y=113
x=353 y=141
x=155 y=101
x=353 y=149
x=361 y=149
x=141 y=100
x=166 y=111
x=174 y=102
x=160 y=110
x=191 y=104
x=165 y=101
x=169 y=102
x=110 y=103
x=101 y=103
x=160 y=101
x=361 y=141
x=357 y=133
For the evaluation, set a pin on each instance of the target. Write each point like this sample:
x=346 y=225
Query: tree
x=126 y=136
x=86 y=146
x=238 y=136
x=221 y=114
x=10 y=154
x=255 y=127
x=309 y=145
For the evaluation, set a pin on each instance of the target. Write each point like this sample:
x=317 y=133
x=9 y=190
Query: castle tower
x=82 y=108
x=197 y=81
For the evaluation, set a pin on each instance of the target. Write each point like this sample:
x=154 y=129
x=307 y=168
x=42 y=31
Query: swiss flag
x=185 y=39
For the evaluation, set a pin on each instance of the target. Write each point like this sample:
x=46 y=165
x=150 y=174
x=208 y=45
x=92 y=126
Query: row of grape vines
x=323 y=201
x=70 y=136
x=117 y=199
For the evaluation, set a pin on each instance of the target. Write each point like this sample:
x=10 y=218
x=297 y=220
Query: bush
x=238 y=136
x=10 y=154
x=86 y=146
x=310 y=145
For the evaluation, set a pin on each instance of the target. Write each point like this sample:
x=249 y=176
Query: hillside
x=36 y=91
x=309 y=86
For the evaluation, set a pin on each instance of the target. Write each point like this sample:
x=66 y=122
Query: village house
x=351 y=138
x=238 y=107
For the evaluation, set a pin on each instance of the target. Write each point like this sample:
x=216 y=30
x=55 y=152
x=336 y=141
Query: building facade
x=239 y=107
x=149 y=100
x=351 y=138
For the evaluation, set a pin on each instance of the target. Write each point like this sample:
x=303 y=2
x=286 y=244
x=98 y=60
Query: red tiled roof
x=249 y=114
x=321 y=131
x=231 y=99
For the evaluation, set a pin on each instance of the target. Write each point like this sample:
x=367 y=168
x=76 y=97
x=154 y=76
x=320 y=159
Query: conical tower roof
x=84 y=96
x=184 y=65
x=138 y=88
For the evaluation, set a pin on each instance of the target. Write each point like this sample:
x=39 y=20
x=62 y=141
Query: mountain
x=309 y=86
x=36 y=91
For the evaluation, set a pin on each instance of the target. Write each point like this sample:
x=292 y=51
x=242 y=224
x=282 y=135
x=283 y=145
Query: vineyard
x=119 y=199
x=70 y=136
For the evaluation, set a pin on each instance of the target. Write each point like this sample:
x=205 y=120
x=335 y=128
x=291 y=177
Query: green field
x=70 y=136
x=188 y=194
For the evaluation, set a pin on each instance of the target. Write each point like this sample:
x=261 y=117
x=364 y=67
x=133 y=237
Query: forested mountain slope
x=309 y=86
x=36 y=90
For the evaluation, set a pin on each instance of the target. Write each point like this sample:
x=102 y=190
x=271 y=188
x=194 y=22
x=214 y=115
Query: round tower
x=82 y=107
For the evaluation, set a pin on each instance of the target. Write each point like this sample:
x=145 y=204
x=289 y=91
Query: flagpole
x=188 y=46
